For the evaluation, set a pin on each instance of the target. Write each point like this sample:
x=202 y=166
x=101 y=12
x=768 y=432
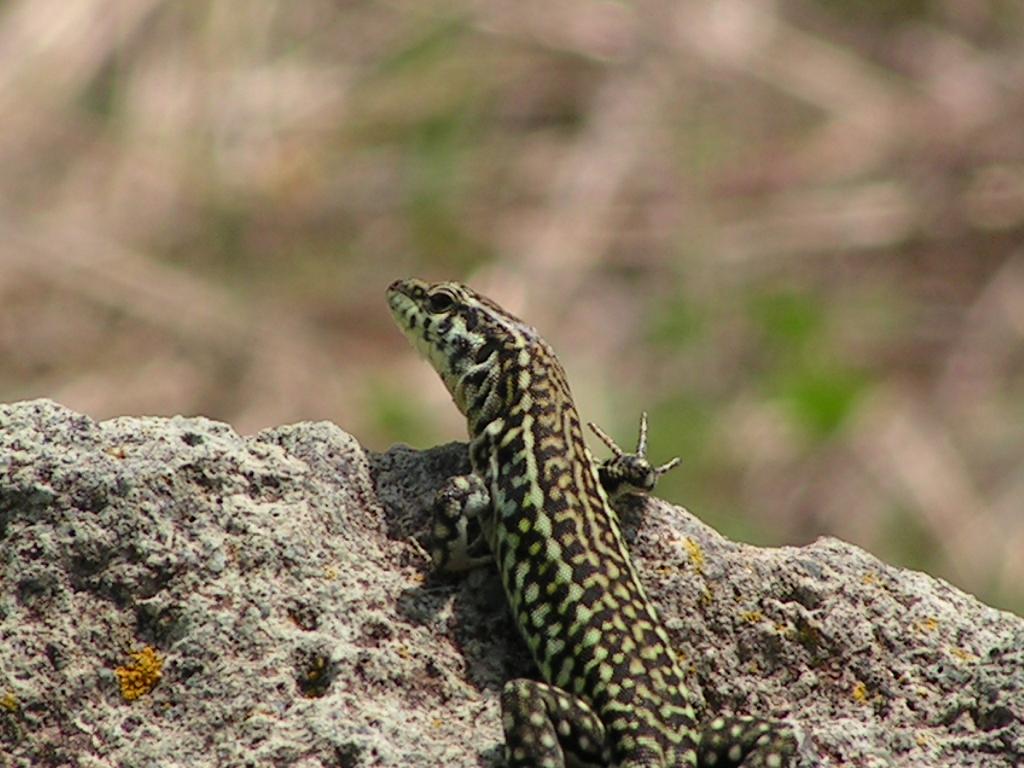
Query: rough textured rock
x=275 y=584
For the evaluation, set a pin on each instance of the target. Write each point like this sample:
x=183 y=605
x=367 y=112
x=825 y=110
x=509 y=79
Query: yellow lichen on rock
x=696 y=553
x=860 y=692
x=140 y=676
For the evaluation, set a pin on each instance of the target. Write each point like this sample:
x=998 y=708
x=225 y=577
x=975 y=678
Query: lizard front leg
x=457 y=542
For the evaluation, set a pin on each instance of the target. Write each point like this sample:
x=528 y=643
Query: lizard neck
x=527 y=439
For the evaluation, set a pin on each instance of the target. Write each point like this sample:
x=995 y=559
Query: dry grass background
x=790 y=230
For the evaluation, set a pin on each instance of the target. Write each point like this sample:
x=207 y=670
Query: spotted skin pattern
x=537 y=504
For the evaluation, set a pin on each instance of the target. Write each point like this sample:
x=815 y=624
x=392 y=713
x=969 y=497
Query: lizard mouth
x=402 y=303
x=399 y=286
x=405 y=299
x=398 y=293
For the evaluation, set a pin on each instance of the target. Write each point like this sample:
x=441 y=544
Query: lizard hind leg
x=745 y=742
x=545 y=727
x=629 y=472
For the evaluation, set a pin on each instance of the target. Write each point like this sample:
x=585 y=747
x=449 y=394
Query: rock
x=172 y=594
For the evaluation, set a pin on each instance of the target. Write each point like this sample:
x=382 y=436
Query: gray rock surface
x=277 y=582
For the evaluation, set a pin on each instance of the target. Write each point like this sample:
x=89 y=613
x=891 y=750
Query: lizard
x=538 y=505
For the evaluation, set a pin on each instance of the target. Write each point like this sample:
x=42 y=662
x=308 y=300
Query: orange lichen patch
x=9 y=702
x=140 y=676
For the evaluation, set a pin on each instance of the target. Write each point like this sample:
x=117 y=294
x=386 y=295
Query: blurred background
x=793 y=231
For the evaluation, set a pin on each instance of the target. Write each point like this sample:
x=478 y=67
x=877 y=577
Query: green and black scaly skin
x=537 y=504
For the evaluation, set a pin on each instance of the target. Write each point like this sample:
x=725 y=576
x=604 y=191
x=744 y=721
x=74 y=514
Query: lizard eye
x=441 y=301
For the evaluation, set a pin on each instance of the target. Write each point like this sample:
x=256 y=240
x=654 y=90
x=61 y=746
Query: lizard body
x=538 y=505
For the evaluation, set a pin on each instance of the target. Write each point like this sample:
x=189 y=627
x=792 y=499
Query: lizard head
x=472 y=342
